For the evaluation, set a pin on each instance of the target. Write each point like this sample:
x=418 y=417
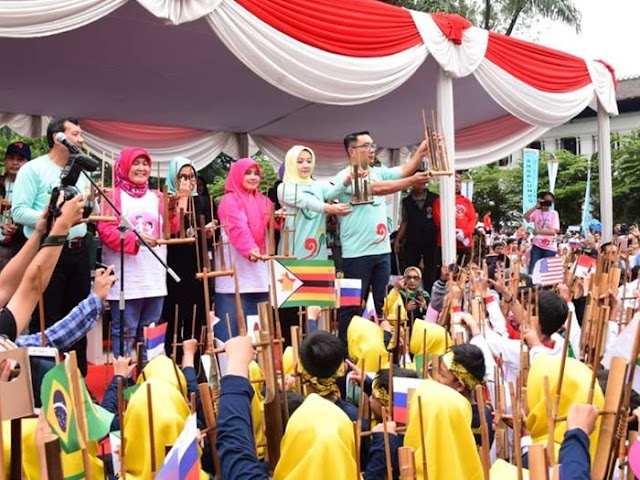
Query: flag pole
x=152 y=441
x=80 y=413
x=121 y=408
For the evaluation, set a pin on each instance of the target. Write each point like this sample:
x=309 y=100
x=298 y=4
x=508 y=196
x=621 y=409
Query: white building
x=579 y=136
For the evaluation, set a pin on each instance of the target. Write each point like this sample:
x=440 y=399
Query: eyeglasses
x=412 y=277
x=370 y=146
x=186 y=177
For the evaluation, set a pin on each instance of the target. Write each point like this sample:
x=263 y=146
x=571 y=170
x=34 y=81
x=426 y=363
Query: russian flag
x=370 y=309
x=350 y=292
x=154 y=340
x=182 y=462
x=402 y=388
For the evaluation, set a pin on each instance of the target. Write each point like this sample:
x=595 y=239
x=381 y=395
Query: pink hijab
x=256 y=205
x=122 y=167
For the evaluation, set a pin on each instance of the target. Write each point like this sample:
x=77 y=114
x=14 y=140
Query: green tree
x=216 y=174
x=499 y=190
x=502 y=16
x=625 y=174
x=7 y=136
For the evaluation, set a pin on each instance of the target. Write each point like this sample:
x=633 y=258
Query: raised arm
x=23 y=302
x=13 y=272
x=414 y=162
x=386 y=187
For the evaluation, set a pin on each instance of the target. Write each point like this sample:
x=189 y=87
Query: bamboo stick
x=485 y=457
x=425 y=473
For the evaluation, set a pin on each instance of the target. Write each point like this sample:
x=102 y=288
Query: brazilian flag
x=59 y=409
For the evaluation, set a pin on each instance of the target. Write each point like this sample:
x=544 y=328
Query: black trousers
x=69 y=285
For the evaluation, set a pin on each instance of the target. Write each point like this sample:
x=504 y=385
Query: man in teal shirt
x=364 y=234
x=71 y=279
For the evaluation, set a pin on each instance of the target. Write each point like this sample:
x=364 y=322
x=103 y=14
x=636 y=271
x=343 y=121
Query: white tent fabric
x=229 y=67
x=35 y=18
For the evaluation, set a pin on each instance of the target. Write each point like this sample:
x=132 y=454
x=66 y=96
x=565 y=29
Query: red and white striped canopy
x=183 y=76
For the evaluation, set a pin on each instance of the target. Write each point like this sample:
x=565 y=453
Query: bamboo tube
x=485 y=457
x=387 y=448
x=80 y=412
x=53 y=457
x=551 y=454
x=210 y=420
x=425 y=473
x=615 y=384
x=43 y=338
x=538 y=466
x=152 y=441
x=121 y=413
x=407 y=463
x=356 y=434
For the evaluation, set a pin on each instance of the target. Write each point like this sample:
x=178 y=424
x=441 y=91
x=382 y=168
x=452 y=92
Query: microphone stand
x=122 y=228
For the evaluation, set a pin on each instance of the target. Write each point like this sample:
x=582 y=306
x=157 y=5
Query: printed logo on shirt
x=145 y=222
x=381 y=233
x=461 y=210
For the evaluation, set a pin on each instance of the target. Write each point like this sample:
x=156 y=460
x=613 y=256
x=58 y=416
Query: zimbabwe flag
x=301 y=283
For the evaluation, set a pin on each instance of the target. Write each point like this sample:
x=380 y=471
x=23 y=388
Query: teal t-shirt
x=306 y=224
x=365 y=231
x=31 y=193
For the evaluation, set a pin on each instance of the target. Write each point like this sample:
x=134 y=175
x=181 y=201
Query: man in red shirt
x=466 y=220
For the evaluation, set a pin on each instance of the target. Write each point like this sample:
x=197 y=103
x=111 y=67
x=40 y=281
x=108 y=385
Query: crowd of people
x=479 y=341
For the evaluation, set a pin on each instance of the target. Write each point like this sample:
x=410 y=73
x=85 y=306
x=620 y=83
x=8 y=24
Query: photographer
x=36 y=180
x=546 y=225
x=20 y=294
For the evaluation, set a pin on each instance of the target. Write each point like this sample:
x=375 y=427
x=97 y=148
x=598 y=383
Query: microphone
x=62 y=138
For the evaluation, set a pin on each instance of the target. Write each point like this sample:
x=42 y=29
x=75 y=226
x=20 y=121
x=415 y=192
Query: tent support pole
x=604 y=173
x=444 y=95
x=243 y=145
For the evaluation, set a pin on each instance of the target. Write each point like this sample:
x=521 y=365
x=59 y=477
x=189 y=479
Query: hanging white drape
x=201 y=150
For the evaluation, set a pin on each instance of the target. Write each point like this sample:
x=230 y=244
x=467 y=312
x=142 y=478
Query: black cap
x=20 y=148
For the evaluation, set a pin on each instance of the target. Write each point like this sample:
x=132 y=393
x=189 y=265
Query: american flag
x=548 y=271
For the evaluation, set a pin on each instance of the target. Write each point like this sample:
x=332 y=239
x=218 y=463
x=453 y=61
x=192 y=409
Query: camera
x=545 y=203
x=624 y=229
x=68 y=179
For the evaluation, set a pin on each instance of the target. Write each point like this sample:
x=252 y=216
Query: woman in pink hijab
x=244 y=215
x=145 y=279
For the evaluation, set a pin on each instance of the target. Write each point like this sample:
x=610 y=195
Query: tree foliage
x=499 y=190
x=215 y=174
x=504 y=16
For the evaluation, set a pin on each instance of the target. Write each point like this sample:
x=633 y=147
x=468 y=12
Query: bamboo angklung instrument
x=538 y=465
x=210 y=420
x=43 y=338
x=502 y=447
x=485 y=456
x=152 y=441
x=121 y=414
x=53 y=457
x=387 y=449
x=80 y=412
x=516 y=408
x=425 y=473
x=612 y=401
x=274 y=427
x=407 y=463
x=174 y=346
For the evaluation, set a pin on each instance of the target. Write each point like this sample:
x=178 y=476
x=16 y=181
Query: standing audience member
x=419 y=233
x=145 y=279
x=546 y=225
x=34 y=183
x=11 y=236
x=466 y=220
x=364 y=233
x=244 y=214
